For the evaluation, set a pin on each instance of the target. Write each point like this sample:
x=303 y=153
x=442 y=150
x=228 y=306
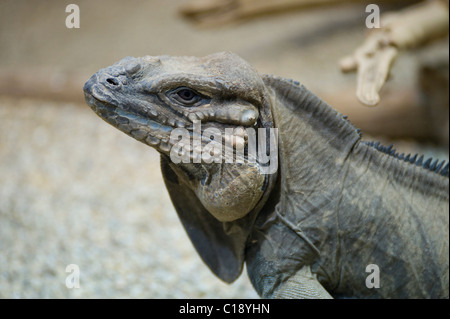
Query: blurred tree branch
x=213 y=13
x=409 y=28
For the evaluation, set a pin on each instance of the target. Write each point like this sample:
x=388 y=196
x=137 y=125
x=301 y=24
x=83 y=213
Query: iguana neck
x=315 y=141
x=319 y=148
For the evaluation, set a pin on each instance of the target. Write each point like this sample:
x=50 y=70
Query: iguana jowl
x=336 y=204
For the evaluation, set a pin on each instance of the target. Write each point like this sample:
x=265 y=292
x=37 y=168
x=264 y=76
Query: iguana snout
x=118 y=94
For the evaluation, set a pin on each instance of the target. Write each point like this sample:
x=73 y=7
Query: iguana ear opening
x=220 y=245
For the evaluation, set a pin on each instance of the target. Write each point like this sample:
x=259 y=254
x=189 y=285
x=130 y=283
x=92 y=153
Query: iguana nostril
x=112 y=81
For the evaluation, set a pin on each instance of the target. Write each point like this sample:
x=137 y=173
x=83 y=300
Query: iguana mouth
x=142 y=128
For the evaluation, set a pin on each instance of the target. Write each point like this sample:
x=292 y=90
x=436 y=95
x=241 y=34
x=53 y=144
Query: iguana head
x=158 y=100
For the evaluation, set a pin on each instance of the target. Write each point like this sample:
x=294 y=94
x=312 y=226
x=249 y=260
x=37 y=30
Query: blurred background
x=74 y=190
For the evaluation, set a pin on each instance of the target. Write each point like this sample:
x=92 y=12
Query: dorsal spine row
x=436 y=166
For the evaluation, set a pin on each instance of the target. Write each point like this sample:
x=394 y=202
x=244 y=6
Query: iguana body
x=335 y=205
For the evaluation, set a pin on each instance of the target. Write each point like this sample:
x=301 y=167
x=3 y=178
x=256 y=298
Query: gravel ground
x=76 y=191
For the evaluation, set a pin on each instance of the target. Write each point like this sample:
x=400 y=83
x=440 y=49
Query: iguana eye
x=186 y=96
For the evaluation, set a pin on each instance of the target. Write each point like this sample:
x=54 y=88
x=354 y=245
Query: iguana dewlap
x=334 y=205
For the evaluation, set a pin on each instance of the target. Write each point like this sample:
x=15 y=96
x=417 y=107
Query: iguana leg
x=303 y=285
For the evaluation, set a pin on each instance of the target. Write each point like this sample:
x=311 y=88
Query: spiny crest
x=436 y=166
x=301 y=97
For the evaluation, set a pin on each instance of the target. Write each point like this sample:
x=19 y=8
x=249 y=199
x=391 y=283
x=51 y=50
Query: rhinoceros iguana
x=338 y=217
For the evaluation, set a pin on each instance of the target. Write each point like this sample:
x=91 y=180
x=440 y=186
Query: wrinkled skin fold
x=335 y=204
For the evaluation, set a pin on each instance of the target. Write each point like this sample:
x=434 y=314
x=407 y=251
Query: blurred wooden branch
x=213 y=13
x=409 y=28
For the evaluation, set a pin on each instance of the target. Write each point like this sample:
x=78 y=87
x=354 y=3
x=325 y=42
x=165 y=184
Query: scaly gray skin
x=336 y=204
